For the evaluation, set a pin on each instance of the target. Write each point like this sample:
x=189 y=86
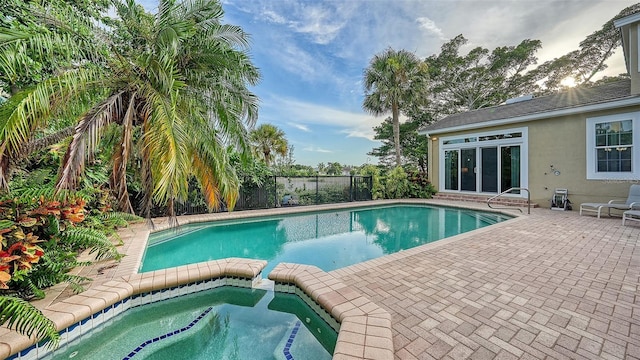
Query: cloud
x=299 y=126
x=430 y=26
x=274 y=17
x=317 y=149
x=352 y=124
x=298 y=61
x=318 y=22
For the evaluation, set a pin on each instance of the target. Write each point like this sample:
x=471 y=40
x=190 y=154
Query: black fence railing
x=291 y=191
x=315 y=190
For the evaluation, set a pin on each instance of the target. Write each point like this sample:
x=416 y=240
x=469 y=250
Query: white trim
x=544 y=115
x=637 y=43
x=523 y=142
x=627 y=20
x=591 y=159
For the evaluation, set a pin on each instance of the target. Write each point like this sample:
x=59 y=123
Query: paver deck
x=547 y=285
x=550 y=285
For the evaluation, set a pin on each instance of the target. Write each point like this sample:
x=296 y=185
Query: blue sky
x=312 y=54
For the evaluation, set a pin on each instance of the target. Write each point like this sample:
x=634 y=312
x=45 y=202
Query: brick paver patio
x=551 y=285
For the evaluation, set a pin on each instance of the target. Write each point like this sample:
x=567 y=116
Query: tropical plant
x=269 y=140
x=334 y=168
x=377 y=189
x=174 y=83
x=393 y=80
x=419 y=185
x=413 y=145
x=27 y=319
x=40 y=236
x=396 y=184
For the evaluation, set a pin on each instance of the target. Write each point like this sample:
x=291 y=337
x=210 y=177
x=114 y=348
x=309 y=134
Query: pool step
x=264 y=284
x=507 y=201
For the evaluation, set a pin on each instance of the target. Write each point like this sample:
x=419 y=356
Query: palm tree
x=393 y=79
x=174 y=83
x=268 y=140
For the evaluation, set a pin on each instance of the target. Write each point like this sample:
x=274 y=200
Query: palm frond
x=168 y=141
x=92 y=239
x=85 y=139
x=119 y=217
x=26 y=319
x=31 y=107
x=121 y=156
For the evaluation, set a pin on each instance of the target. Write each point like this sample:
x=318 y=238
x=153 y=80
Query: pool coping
x=365 y=331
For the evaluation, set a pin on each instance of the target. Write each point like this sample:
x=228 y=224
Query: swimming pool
x=327 y=239
x=222 y=323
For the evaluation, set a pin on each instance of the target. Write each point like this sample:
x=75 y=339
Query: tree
x=413 y=145
x=480 y=78
x=321 y=168
x=268 y=140
x=392 y=81
x=285 y=164
x=587 y=61
x=334 y=168
x=174 y=83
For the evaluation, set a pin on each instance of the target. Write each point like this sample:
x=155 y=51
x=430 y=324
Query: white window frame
x=523 y=142
x=592 y=173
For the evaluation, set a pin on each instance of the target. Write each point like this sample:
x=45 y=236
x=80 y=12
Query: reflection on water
x=329 y=240
x=238 y=321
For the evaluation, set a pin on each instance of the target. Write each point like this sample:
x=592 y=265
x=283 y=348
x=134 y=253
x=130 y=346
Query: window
x=489 y=162
x=610 y=147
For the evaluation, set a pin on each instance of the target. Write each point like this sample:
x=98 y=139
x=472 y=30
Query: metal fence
x=280 y=191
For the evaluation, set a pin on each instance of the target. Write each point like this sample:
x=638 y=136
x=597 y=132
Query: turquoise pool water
x=223 y=323
x=328 y=240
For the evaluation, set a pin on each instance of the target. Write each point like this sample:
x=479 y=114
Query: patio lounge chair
x=632 y=200
x=632 y=214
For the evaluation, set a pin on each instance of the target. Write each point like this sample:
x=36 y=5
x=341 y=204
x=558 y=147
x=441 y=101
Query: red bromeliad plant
x=19 y=256
x=22 y=229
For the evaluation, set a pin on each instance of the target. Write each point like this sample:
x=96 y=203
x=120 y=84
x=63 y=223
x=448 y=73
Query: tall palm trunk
x=396 y=132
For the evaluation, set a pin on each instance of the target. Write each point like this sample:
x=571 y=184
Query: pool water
x=223 y=323
x=328 y=240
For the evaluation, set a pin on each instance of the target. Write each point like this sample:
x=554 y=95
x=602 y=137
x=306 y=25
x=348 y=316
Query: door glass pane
x=489 y=170
x=451 y=169
x=510 y=168
x=468 y=169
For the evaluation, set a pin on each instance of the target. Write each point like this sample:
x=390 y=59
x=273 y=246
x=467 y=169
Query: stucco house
x=586 y=140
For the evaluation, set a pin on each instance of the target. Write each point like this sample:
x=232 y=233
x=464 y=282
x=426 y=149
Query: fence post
x=351 y=188
x=317 y=186
x=275 y=191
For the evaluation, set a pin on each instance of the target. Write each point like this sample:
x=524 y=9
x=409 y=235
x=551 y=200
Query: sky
x=312 y=54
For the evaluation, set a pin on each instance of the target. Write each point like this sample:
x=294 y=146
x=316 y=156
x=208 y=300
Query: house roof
x=541 y=107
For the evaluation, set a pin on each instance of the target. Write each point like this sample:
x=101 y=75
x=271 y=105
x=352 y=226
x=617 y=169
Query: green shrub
x=377 y=187
x=420 y=187
x=396 y=184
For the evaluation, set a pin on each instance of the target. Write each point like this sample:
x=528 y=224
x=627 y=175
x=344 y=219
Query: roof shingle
x=573 y=98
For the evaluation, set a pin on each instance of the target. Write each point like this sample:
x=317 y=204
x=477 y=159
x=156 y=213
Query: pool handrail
x=508 y=191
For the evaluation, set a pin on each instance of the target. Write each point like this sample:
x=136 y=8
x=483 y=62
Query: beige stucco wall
x=560 y=142
x=633 y=60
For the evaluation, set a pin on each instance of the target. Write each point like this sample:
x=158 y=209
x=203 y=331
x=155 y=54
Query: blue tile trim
x=287 y=347
x=86 y=323
x=135 y=351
